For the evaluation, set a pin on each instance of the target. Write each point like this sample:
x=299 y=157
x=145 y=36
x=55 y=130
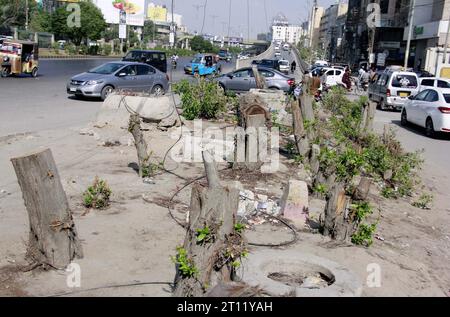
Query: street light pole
x=173 y=28
x=411 y=22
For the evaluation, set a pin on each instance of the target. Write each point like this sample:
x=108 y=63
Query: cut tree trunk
x=214 y=207
x=336 y=224
x=362 y=191
x=301 y=139
x=260 y=80
x=141 y=145
x=53 y=239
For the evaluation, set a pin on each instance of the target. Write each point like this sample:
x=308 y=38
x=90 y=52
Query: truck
x=434 y=63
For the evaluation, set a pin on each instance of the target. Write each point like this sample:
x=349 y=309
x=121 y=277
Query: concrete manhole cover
x=289 y=272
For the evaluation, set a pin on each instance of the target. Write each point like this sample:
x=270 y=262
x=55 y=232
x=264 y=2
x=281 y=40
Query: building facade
x=330 y=30
x=365 y=42
x=314 y=26
x=430 y=27
x=285 y=32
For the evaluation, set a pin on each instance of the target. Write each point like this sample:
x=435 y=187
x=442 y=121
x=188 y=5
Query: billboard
x=135 y=10
x=157 y=13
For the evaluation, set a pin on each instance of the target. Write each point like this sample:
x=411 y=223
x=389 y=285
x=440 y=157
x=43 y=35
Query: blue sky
x=295 y=10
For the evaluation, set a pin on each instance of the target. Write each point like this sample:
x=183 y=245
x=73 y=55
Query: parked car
x=392 y=87
x=429 y=109
x=321 y=63
x=317 y=71
x=285 y=66
x=270 y=63
x=332 y=77
x=102 y=80
x=243 y=80
x=433 y=82
x=156 y=59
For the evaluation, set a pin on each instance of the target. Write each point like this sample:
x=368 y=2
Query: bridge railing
x=240 y=63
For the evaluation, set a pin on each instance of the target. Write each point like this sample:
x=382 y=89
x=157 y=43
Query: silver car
x=131 y=76
x=243 y=80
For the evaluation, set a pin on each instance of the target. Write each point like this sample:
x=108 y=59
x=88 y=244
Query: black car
x=269 y=63
x=156 y=59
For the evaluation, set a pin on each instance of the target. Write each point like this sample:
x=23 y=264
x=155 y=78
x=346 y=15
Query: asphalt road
x=36 y=104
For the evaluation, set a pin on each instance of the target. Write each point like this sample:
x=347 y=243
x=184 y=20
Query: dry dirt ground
x=132 y=241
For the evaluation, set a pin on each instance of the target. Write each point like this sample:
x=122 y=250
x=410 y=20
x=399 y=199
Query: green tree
x=149 y=31
x=12 y=13
x=201 y=45
x=40 y=21
x=111 y=32
x=92 y=23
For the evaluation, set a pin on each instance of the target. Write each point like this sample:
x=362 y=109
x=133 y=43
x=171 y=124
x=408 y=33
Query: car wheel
x=429 y=128
x=382 y=105
x=34 y=72
x=158 y=90
x=106 y=91
x=404 y=118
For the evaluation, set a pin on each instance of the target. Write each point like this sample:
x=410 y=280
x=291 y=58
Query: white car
x=433 y=82
x=332 y=77
x=277 y=54
x=321 y=63
x=429 y=109
x=285 y=67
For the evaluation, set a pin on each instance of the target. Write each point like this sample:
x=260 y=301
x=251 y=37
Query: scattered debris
x=149 y=180
x=378 y=237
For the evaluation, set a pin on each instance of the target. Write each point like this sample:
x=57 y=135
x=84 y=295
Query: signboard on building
x=381 y=59
x=135 y=11
x=157 y=13
x=389 y=44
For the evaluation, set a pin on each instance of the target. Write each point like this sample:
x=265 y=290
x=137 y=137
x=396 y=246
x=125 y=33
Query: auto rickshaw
x=205 y=64
x=19 y=57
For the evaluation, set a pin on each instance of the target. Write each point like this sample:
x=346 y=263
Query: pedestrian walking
x=293 y=66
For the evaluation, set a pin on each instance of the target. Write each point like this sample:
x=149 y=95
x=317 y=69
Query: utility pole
x=444 y=58
x=26 y=15
x=229 y=21
x=248 y=20
x=174 y=31
x=411 y=23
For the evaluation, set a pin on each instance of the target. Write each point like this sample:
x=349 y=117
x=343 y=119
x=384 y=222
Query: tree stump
x=53 y=239
x=301 y=140
x=362 y=191
x=214 y=207
x=336 y=224
x=141 y=145
x=260 y=80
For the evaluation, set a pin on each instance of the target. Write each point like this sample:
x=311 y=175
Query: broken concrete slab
x=295 y=203
x=116 y=110
x=275 y=99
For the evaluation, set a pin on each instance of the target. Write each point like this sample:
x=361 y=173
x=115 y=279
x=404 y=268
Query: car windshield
x=284 y=63
x=133 y=55
x=106 y=68
x=447 y=98
x=197 y=60
x=404 y=81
